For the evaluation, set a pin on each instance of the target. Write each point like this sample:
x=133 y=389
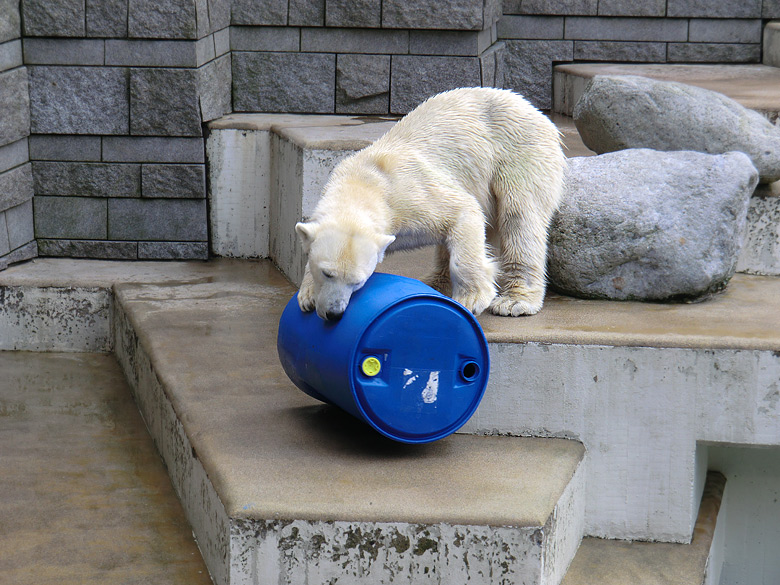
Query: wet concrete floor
x=84 y=496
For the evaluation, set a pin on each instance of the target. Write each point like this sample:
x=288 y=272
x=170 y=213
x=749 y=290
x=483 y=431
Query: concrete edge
x=565 y=527
x=202 y=506
x=55 y=318
x=241 y=550
x=714 y=502
x=324 y=552
x=615 y=562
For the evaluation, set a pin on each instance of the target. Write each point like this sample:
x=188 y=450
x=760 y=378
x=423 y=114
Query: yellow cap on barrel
x=371 y=366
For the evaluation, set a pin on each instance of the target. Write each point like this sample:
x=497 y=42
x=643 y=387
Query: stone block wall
x=540 y=33
x=365 y=56
x=118 y=94
x=16 y=182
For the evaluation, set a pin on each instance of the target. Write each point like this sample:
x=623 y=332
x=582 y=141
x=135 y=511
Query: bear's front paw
x=306 y=298
x=510 y=306
x=475 y=301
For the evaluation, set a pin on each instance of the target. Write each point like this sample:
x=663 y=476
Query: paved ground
x=85 y=497
x=92 y=502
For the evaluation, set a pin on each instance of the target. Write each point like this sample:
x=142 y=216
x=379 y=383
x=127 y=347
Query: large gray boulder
x=652 y=226
x=617 y=112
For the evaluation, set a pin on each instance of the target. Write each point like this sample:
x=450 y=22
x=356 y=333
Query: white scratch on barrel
x=431 y=389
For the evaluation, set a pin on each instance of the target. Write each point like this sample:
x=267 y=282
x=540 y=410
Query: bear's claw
x=512 y=307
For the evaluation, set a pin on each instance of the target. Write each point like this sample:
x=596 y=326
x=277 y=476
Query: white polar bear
x=466 y=164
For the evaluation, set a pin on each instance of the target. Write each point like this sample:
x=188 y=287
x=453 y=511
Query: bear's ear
x=306 y=232
x=383 y=242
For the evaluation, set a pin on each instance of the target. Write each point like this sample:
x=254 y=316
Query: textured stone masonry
x=439 y=73
x=10 y=55
x=13 y=155
x=16 y=184
x=118 y=93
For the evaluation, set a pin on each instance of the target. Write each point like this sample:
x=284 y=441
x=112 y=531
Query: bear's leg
x=522 y=281
x=524 y=210
x=440 y=278
x=306 y=300
x=472 y=272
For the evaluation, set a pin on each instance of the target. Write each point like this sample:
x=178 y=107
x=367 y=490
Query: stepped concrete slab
x=644 y=386
x=86 y=499
x=754 y=86
x=258 y=161
x=65 y=304
x=279 y=487
x=772 y=44
x=613 y=562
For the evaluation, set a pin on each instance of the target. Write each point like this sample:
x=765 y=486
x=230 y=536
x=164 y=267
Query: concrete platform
x=754 y=86
x=613 y=562
x=85 y=497
x=709 y=324
x=645 y=387
x=279 y=486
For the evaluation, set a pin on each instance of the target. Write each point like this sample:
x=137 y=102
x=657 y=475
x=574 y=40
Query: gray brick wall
x=118 y=94
x=16 y=183
x=361 y=57
x=540 y=33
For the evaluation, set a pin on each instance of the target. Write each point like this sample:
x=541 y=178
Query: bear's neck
x=362 y=191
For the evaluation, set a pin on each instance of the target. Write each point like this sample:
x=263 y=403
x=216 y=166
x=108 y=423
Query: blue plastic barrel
x=404 y=358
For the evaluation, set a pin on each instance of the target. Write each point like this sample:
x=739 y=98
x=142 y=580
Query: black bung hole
x=470 y=371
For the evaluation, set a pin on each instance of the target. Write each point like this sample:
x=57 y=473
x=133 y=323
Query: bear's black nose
x=333 y=316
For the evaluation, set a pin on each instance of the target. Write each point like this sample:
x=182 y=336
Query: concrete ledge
x=611 y=562
x=54 y=318
x=644 y=387
x=278 y=486
x=754 y=86
x=266 y=172
x=772 y=44
x=708 y=324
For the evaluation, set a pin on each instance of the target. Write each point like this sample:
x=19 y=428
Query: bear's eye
x=328 y=274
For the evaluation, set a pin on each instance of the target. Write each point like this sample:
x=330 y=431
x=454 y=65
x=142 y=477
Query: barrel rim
x=460 y=421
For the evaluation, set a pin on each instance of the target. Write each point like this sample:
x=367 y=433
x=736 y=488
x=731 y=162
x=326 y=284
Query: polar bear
x=466 y=166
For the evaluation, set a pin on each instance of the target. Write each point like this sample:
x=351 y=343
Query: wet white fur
x=466 y=166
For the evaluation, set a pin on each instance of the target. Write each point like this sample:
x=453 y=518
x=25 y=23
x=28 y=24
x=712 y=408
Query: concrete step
x=614 y=562
x=646 y=388
x=754 y=86
x=280 y=488
x=85 y=497
x=771 y=46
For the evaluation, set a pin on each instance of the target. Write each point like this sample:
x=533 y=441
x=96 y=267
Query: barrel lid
x=420 y=368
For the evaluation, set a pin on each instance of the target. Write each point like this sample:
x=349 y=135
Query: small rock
x=651 y=226
x=617 y=112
